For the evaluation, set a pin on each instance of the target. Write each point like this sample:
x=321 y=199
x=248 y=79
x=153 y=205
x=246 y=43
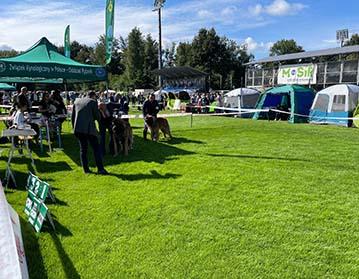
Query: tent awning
x=7 y=87
x=43 y=62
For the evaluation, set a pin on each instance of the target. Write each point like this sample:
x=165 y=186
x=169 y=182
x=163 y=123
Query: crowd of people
x=90 y=107
x=51 y=106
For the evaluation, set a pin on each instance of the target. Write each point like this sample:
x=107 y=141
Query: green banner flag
x=67 y=42
x=110 y=11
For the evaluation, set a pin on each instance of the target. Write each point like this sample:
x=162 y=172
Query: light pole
x=158 y=4
x=342 y=36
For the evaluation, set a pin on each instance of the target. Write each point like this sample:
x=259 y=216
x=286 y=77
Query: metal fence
x=328 y=73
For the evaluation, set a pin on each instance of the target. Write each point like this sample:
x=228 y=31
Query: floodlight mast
x=158 y=4
x=342 y=36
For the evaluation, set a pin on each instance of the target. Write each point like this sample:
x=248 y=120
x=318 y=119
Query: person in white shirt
x=19 y=118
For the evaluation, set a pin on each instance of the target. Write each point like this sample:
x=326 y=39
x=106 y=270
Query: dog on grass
x=157 y=124
x=122 y=136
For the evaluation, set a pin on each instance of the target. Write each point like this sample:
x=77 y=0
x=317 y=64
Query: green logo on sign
x=299 y=72
x=305 y=71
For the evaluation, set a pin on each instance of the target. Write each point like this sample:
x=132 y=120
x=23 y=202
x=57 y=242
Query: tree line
x=134 y=58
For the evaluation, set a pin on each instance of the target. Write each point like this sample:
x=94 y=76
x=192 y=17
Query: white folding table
x=12 y=133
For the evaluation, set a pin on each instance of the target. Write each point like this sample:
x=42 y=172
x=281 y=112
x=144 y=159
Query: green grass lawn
x=226 y=198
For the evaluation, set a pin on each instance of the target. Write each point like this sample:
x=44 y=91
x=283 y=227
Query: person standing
x=21 y=99
x=85 y=113
x=150 y=107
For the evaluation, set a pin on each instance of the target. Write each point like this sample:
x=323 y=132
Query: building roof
x=179 y=72
x=307 y=54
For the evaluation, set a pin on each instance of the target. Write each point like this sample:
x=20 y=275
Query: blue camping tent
x=334 y=104
x=295 y=99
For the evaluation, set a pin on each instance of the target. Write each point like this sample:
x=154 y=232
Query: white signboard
x=12 y=254
x=297 y=74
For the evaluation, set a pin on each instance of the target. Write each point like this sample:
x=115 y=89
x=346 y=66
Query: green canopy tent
x=42 y=63
x=7 y=87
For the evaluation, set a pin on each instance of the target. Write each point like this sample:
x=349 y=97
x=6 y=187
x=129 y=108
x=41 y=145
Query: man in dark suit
x=84 y=114
x=150 y=107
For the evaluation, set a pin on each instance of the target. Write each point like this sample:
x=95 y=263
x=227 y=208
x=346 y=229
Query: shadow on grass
x=147 y=151
x=35 y=149
x=60 y=202
x=34 y=260
x=136 y=128
x=178 y=140
x=153 y=175
x=41 y=166
x=66 y=262
x=46 y=166
x=258 y=157
x=21 y=180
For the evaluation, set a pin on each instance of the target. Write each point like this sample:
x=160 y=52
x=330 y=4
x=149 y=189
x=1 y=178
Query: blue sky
x=256 y=23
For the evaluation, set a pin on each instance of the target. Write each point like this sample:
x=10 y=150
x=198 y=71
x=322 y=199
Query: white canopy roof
x=160 y=92
x=340 y=89
x=241 y=91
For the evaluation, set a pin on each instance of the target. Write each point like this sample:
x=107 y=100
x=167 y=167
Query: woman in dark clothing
x=57 y=101
x=44 y=106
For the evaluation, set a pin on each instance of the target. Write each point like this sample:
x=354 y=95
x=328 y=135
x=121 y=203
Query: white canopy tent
x=159 y=94
x=241 y=98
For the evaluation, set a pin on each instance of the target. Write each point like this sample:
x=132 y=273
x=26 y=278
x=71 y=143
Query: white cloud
x=252 y=45
x=5 y=47
x=330 y=41
x=256 y=10
x=25 y=22
x=204 y=13
x=276 y=8
x=268 y=45
x=282 y=7
x=229 y=12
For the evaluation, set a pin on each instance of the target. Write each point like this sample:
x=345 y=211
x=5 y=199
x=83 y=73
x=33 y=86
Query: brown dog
x=122 y=136
x=155 y=125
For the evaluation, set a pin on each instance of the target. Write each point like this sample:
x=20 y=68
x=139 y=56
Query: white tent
x=159 y=94
x=242 y=98
x=334 y=104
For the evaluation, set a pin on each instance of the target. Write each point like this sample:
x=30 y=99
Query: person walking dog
x=150 y=107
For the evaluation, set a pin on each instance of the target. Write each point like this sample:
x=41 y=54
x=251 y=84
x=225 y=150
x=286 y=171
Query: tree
x=183 y=55
x=170 y=56
x=8 y=53
x=207 y=49
x=285 y=47
x=134 y=59
x=80 y=53
x=354 y=40
x=232 y=66
x=221 y=58
x=150 y=61
x=115 y=67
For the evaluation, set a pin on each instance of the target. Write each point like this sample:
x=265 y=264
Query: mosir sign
x=297 y=74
